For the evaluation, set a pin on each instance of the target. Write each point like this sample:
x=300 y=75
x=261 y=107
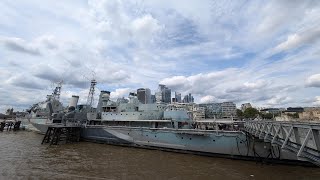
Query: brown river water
x=23 y=157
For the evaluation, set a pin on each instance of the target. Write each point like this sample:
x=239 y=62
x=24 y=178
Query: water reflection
x=23 y=157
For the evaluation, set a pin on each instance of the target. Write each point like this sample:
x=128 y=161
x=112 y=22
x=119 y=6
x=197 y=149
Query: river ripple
x=23 y=157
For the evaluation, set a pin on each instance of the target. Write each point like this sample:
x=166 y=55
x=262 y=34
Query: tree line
x=251 y=113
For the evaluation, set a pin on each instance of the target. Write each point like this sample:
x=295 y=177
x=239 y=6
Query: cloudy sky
x=263 y=52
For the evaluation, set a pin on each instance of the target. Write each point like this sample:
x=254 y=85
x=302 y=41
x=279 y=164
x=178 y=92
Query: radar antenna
x=57 y=91
x=90 y=99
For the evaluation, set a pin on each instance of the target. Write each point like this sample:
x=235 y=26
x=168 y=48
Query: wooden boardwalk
x=58 y=133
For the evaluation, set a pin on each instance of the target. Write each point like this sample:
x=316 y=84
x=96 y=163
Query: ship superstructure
x=51 y=111
x=44 y=110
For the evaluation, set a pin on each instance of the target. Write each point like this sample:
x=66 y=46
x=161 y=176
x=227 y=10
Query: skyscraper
x=188 y=98
x=178 y=97
x=144 y=95
x=161 y=87
x=153 y=99
x=166 y=95
x=163 y=94
x=158 y=96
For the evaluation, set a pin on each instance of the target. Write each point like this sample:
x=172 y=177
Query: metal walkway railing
x=303 y=139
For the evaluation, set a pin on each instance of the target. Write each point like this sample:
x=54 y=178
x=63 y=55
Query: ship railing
x=301 y=138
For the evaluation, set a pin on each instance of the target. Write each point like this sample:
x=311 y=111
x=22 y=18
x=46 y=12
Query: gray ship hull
x=233 y=144
x=29 y=124
x=42 y=128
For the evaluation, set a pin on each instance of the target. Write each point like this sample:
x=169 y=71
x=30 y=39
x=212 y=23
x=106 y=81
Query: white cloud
x=258 y=84
x=313 y=80
x=26 y=81
x=38 y=46
x=296 y=40
x=49 y=41
x=217 y=50
x=199 y=83
x=208 y=99
x=279 y=100
x=317 y=101
x=119 y=93
x=145 y=28
x=19 y=45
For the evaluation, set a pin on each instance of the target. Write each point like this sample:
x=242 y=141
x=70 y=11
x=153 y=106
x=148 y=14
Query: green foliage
x=295 y=115
x=251 y=113
x=239 y=114
x=267 y=116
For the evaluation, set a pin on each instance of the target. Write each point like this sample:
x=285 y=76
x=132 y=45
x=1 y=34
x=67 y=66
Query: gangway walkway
x=303 y=139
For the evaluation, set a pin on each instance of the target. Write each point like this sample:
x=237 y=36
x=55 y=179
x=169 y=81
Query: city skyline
x=265 y=53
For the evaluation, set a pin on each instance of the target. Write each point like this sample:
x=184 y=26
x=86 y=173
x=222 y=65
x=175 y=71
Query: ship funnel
x=74 y=101
x=103 y=98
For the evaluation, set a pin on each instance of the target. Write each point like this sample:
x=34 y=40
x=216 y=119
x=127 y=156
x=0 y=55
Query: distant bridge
x=303 y=139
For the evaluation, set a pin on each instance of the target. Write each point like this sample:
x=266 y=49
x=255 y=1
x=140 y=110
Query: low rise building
x=229 y=109
x=310 y=113
x=198 y=113
x=220 y=110
x=271 y=110
x=212 y=110
x=290 y=114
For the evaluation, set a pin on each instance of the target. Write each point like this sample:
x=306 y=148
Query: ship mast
x=90 y=99
x=57 y=91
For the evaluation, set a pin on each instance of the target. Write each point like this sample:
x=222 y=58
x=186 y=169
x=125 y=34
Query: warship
x=172 y=127
x=169 y=127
